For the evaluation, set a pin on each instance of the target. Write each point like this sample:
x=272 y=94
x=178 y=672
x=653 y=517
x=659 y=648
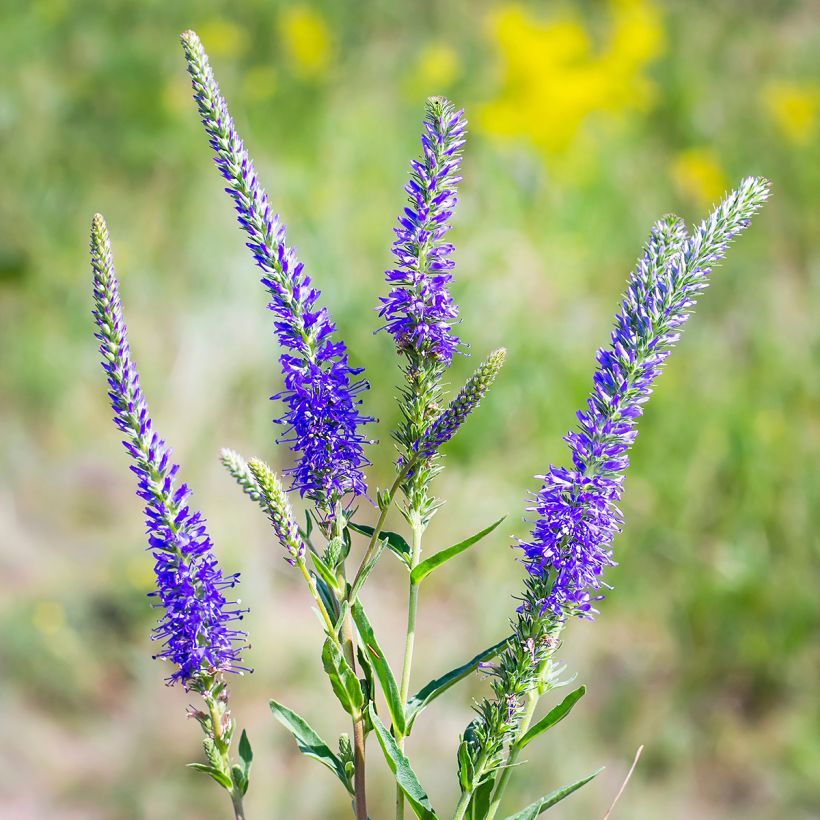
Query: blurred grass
x=705 y=651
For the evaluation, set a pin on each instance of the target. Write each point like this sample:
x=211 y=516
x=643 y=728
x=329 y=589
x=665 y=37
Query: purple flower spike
x=195 y=627
x=322 y=419
x=419 y=310
x=577 y=512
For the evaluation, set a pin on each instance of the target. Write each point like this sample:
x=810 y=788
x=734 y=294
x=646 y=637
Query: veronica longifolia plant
x=574 y=515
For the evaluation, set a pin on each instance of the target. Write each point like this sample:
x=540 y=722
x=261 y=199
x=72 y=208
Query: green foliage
x=421 y=571
x=311 y=745
x=400 y=766
x=428 y=693
x=542 y=804
x=554 y=716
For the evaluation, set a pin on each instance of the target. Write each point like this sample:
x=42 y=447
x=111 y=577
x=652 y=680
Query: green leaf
x=367 y=569
x=440 y=685
x=343 y=679
x=239 y=779
x=309 y=743
x=324 y=571
x=554 y=716
x=382 y=668
x=246 y=757
x=395 y=543
x=400 y=766
x=427 y=566
x=541 y=805
x=217 y=775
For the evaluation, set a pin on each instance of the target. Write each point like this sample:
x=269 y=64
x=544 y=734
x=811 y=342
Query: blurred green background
x=588 y=121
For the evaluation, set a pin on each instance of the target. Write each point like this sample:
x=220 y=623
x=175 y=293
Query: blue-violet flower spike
x=576 y=509
x=419 y=311
x=195 y=628
x=322 y=417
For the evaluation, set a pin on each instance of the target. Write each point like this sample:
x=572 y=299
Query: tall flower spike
x=468 y=398
x=419 y=311
x=195 y=628
x=577 y=513
x=321 y=395
x=279 y=510
x=576 y=509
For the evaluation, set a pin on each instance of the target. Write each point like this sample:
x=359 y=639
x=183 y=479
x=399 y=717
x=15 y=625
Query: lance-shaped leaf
x=325 y=572
x=219 y=776
x=542 y=804
x=241 y=772
x=554 y=716
x=343 y=679
x=309 y=742
x=400 y=766
x=395 y=543
x=381 y=667
x=440 y=685
x=428 y=565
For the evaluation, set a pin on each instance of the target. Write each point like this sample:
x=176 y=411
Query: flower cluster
x=419 y=310
x=577 y=513
x=321 y=394
x=195 y=627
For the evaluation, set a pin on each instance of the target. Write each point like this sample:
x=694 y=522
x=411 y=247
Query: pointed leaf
x=382 y=668
x=539 y=806
x=554 y=716
x=309 y=743
x=367 y=569
x=324 y=571
x=343 y=679
x=217 y=775
x=400 y=766
x=395 y=543
x=427 y=566
x=440 y=685
x=245 y=754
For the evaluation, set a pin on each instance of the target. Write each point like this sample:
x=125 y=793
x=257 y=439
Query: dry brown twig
x=626 y=780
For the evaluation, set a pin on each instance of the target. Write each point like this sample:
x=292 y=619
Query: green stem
x=374 y=538
x=533 y=697
x=359 y=759
x=238 y=808
x=466 y=796
x=412 y=609
x=311 y=582
x=215 y=715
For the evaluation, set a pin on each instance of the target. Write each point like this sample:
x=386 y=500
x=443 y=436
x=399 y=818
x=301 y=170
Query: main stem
x=359 y=760
x=238 y=808
x=532 y=701
x=410 y=639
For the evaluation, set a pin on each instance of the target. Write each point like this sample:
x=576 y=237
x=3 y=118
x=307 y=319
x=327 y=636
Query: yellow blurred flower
x=794 y=109
x=698 y=174
x=554 y=78
x=48 y=617
x=437 y=67
x=307 y=41
x=259 y=83
x=222 y=38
